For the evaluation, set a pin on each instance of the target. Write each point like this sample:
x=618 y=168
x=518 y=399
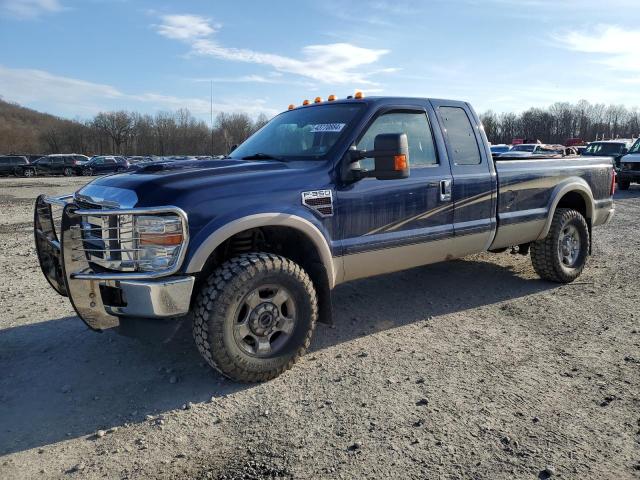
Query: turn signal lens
x=318 y=100
x=305 y=102
x=291 y=106
x=359 y=95
x=400 y=162
x=331 y=98
x=161 y=239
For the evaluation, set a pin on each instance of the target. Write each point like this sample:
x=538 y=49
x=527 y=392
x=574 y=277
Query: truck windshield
x=636 y=147
x=301 y=134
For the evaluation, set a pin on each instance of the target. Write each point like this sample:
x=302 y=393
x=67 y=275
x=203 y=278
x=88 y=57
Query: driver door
x=389 y=225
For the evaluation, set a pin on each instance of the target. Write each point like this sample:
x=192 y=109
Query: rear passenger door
x=474 y=183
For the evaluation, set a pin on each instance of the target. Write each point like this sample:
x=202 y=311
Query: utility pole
x=211 y=119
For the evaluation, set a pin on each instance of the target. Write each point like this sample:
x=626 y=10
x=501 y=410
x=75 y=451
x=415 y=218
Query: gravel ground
x=468 y=369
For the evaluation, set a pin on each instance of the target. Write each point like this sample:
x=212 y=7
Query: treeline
x=24 y=130
x=563 y=120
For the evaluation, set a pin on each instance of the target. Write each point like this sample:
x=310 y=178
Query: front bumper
x=100 y=298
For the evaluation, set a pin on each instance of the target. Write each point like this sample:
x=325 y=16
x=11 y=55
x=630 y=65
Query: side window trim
x=404 y=109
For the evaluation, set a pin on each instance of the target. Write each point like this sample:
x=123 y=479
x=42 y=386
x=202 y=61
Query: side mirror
x=391 y=156
x=624 y=151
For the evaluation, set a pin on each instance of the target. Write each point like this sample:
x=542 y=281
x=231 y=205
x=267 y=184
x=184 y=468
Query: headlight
x=135 y=242
x=159 y=239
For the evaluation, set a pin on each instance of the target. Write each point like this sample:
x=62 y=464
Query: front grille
x=108 y=241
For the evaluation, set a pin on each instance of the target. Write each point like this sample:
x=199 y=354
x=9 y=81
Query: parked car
x=630 y=167
x=250 y=247
x=102 y=164
x=17 y=165
x=614 y=149
x=497 y=150
x=60 y=164
x=526 y=150
x=138 y=159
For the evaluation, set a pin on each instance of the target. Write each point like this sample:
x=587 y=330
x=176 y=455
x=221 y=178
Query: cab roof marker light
x=318 y=100
x=331 y=98
x=358 y=95
x=291 y=106
x=305 y=102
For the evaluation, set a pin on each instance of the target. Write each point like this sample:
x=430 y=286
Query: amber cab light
x=318 y=100
x=359 y=95
x=305 y=102
x=331 y=98
x=291 y=106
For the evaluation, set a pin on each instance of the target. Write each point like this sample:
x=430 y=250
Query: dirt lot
x=468 y=369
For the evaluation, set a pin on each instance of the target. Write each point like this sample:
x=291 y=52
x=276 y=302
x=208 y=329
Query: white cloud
x=614 y=46
x=29 y=8
x=72 y=97
x=185 y=27
x=336 y=63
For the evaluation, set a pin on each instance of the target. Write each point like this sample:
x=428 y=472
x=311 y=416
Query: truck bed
x=529 y=189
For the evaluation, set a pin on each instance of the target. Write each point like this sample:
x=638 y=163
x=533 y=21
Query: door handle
x=445 y=190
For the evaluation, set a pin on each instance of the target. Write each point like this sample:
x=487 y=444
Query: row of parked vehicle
x=624 y=154
x=75 y=164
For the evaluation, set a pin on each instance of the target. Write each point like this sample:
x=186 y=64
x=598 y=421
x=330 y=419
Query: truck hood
x=186 y=174
x=631 y=158
x=184 y=183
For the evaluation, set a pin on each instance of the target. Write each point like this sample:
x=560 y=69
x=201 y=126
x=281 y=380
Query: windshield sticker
x=327 y=127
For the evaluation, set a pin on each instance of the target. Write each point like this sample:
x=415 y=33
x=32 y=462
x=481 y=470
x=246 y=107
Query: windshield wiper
x=262 y=156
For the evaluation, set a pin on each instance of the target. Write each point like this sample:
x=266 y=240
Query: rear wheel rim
x=28 y=173
x=569 y=246
x=265 y=320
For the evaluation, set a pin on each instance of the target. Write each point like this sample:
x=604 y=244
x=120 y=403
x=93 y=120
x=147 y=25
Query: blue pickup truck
x=248 y=248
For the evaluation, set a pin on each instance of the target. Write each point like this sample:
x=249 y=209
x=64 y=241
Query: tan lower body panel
x=377 y=262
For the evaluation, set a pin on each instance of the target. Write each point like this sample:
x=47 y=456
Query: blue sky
x=76 y=58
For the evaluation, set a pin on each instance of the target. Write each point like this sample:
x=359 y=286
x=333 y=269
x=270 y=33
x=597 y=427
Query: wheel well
x=575 y=201
x=285 y=241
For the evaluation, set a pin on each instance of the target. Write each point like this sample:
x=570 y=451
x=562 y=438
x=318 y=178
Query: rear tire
x=562 y=254
x=624 y=184
x=87 y=172
x=254 y=316
x=28 y=173
x=68 y=172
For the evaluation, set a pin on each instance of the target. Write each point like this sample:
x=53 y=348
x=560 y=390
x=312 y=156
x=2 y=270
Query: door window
x=461 y=137
x=422 y=151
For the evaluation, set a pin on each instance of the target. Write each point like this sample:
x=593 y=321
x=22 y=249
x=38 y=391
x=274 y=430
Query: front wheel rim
x=569 y=246
x=265 y=320
x=28 y=173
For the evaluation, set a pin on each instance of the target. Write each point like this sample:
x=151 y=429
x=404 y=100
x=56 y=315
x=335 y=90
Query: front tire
x=87 y=172
x=68 y=172
x=254 y=316
x=562 y=254
x=28 y=173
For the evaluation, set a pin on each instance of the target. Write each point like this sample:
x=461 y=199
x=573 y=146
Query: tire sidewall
x=576 y=220
x=227 y=310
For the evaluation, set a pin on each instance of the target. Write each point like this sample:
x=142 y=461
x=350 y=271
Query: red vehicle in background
x=574 y=142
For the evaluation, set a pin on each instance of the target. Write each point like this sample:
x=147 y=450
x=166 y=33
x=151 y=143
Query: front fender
x=223 y=228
